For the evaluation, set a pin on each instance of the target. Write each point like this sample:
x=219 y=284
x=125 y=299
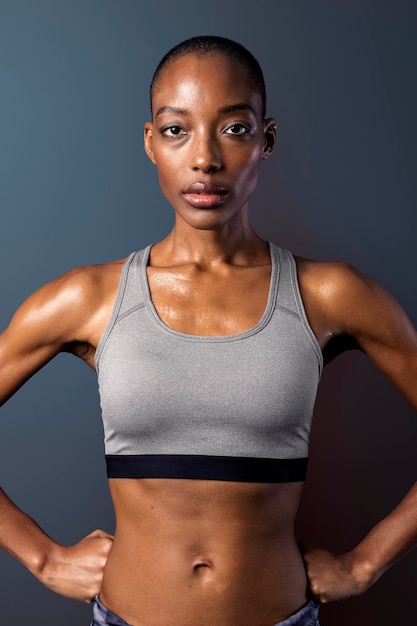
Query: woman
x=208 y=347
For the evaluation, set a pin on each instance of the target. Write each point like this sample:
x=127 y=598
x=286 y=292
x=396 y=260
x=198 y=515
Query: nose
x=205 y=154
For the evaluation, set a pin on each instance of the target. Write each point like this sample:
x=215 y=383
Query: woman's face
x=207 y=138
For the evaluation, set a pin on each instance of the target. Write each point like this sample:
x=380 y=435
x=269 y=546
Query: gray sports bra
x=235 y=407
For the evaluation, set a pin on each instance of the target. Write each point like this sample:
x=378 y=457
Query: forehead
x=206 y=79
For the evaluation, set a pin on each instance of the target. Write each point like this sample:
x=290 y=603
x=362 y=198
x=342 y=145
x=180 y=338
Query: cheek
x=167 y=172
x=165 y=183
x=247 y=172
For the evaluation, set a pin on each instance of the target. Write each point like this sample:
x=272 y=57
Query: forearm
x=340 y=576
x=73 y=571
x=22 y=537
x=389 y=540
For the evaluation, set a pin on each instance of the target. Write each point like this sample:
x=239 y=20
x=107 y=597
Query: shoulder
x=64 y=307
x=82 y=284
x=335 y=285
x=347 y=302
x=78 y=287
x=329 y=274
x=66 y=314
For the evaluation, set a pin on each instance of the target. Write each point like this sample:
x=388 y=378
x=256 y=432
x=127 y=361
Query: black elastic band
x=201 y=467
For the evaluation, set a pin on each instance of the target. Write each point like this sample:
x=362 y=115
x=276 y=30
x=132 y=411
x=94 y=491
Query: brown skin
x=188 y=552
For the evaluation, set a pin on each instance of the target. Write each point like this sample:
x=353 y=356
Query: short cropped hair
x=205 y=44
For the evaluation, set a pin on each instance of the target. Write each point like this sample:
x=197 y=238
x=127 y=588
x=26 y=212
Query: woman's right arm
x=72 y=571
x=55 y=318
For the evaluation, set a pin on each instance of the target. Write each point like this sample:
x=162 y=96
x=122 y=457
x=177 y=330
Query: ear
x=270 y=132
x=147 y=140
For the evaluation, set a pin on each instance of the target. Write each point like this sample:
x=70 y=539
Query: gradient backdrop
x=76 y=188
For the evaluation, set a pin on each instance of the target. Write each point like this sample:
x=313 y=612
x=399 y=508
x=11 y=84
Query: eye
x=173 y=131
x=238 y=129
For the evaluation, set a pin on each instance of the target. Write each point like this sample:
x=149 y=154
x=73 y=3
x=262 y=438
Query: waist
x=183 y=548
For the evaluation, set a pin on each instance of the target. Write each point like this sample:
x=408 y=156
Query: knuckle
x=314 y=588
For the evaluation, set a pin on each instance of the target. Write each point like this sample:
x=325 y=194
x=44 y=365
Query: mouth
x=205 y=195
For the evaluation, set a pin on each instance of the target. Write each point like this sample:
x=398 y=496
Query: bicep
x=24 y=349
x=392 y=346
x=384 y=332
x=45 y=324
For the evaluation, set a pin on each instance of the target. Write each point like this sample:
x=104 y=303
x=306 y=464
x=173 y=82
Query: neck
x=237 y=243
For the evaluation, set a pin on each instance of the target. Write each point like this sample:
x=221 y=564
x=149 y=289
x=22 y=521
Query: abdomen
x=206 y=552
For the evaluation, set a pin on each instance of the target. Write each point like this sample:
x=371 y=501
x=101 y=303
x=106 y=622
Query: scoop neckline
x=262 y=322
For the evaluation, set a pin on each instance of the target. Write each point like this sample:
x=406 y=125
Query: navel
x=202 y=566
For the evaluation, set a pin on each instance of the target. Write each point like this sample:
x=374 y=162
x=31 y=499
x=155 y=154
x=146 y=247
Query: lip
x=205 y=195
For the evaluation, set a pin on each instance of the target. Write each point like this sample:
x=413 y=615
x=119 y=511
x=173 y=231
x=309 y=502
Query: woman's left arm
x=340 y=576
x=357 y=307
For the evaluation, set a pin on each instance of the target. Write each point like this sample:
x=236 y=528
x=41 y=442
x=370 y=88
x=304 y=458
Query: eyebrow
x=241 y=106
x=175 y=110
x=229 y=108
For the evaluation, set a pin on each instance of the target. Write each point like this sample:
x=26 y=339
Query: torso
x=206 y=552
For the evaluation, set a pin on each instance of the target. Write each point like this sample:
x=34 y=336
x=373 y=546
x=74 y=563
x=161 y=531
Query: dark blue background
x=76 y=188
